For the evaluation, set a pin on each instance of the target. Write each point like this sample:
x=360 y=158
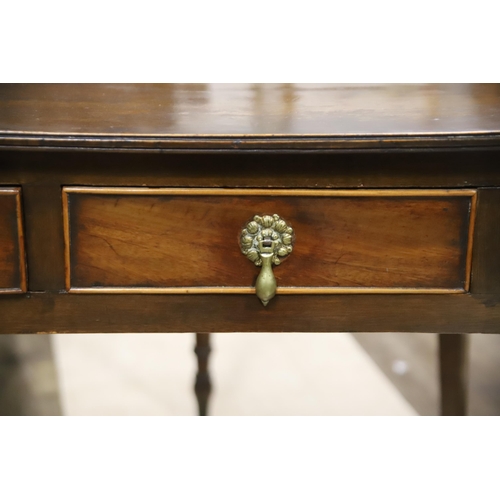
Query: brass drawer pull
x=266 y=240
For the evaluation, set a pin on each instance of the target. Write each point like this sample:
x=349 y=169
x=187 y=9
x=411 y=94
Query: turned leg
x=202 y=386
x=453 y=373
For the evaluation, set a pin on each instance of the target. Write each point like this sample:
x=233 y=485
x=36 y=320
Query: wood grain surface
x=451 y=168
x=486 y=268
x=167 y=239
x=12 y=260
x=248 y=116
x=107 y=313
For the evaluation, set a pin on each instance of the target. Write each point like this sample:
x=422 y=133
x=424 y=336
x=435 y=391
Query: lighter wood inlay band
x=271 y=192
x=280 y=291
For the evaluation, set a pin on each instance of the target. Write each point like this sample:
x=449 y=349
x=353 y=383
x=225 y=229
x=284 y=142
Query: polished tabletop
x=248 y=115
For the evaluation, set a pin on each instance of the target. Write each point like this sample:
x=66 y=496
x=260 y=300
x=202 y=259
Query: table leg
x=453 y=371
x=202 y=386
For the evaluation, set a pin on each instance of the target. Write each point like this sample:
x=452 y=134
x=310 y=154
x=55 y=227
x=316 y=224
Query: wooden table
x=133 y=208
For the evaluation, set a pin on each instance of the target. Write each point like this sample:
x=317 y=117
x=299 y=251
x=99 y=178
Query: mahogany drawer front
x=12 y=258
x=128 y=240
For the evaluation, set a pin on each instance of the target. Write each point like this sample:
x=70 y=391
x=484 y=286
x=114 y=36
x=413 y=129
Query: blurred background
x=252 y=374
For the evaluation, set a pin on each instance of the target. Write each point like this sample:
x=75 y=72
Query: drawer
x=128 y=240
x=12 y=255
